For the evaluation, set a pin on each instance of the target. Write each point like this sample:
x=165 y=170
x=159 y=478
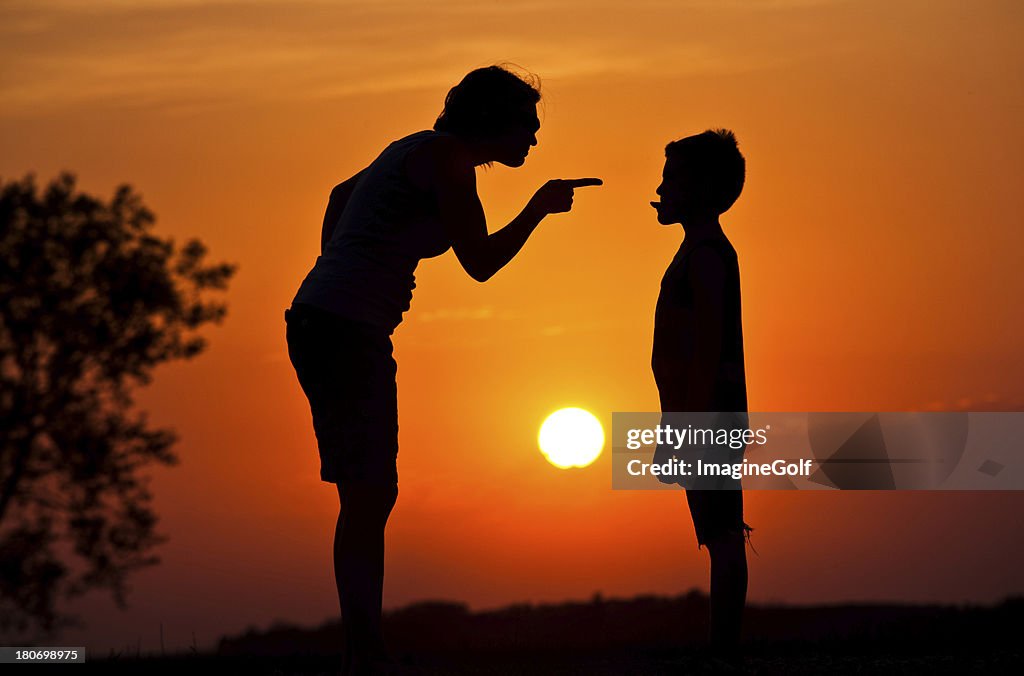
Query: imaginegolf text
x=735 y=470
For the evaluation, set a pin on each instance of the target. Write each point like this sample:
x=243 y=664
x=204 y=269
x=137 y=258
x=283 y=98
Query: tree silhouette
x=90 y=303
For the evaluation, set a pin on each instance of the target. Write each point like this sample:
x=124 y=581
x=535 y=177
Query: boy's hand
x=556 y=195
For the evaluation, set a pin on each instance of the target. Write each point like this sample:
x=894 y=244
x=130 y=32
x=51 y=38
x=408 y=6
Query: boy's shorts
x=347 y=372
x=715 y=501
x=716 y=513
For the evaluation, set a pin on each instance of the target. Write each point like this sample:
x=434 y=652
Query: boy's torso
x=675 y=330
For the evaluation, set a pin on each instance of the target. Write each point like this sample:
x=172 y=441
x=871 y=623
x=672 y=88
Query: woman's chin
x=517 y=161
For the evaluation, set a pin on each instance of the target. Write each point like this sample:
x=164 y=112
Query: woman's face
x=513 y=145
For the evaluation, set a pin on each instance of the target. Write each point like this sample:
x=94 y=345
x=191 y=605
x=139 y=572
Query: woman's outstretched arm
x=482 y=254
x=335 y=207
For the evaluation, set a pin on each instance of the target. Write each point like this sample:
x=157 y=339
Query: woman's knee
x=367 y=499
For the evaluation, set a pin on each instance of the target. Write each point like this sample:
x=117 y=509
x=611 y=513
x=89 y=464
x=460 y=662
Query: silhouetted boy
x=698 y=345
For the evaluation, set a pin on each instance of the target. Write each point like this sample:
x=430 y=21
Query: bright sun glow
x=571 y=437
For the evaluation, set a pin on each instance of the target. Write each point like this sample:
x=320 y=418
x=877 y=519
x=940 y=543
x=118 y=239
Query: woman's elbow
x=475 y=266
x=480 y=275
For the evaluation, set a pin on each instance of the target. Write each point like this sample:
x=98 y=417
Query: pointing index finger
x=583 y=182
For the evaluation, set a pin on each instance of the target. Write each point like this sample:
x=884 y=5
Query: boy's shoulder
x=706 y=253
x=699 y=265
x=720 y=245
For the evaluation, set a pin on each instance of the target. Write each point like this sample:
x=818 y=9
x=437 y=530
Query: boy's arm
x=335 y=207
x=706 y=276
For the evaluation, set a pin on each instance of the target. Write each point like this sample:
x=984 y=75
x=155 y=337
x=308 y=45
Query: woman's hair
x=487 y=102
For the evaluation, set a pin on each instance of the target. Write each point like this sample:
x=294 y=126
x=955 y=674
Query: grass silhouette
x=641 y=635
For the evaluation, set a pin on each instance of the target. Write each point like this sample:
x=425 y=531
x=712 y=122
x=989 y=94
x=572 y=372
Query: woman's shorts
x=347 y=372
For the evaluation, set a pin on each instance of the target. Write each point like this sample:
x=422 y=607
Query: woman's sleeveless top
x=367 y=270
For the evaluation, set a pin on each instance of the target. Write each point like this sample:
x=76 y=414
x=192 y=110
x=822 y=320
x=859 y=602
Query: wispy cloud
x=462 y=314
x=62 y=53
x=991 y=401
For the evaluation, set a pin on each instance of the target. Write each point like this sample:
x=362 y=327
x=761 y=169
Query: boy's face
x=678 y=192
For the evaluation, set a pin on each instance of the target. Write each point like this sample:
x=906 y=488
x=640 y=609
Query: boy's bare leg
x=728 y=589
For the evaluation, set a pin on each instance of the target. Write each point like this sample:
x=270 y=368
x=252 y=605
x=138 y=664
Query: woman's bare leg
x=359 y=569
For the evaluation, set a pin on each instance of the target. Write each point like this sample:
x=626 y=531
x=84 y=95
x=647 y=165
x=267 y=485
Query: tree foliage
x=91 y=301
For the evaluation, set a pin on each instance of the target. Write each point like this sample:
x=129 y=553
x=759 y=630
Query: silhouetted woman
x=415 y=201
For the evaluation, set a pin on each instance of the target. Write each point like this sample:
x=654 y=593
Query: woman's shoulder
x=420 y=148
x=424 y=137
x=437 y=154
x=432 y=141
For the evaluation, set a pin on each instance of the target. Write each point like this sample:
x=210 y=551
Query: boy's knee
x=727 y=544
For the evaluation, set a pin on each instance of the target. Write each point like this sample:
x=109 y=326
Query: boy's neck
x=698 y=229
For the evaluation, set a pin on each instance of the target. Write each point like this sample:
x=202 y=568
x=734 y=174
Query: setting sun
x=571 y=437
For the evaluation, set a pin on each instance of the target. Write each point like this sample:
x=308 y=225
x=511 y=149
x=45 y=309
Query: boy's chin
x=664 y=214
x=664 y=218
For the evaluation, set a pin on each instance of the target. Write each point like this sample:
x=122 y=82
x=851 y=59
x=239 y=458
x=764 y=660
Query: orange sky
x=879 y=239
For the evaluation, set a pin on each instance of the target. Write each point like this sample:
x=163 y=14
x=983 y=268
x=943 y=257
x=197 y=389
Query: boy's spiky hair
x=715 y=154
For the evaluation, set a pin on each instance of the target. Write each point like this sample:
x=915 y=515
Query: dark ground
x=644 y=635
